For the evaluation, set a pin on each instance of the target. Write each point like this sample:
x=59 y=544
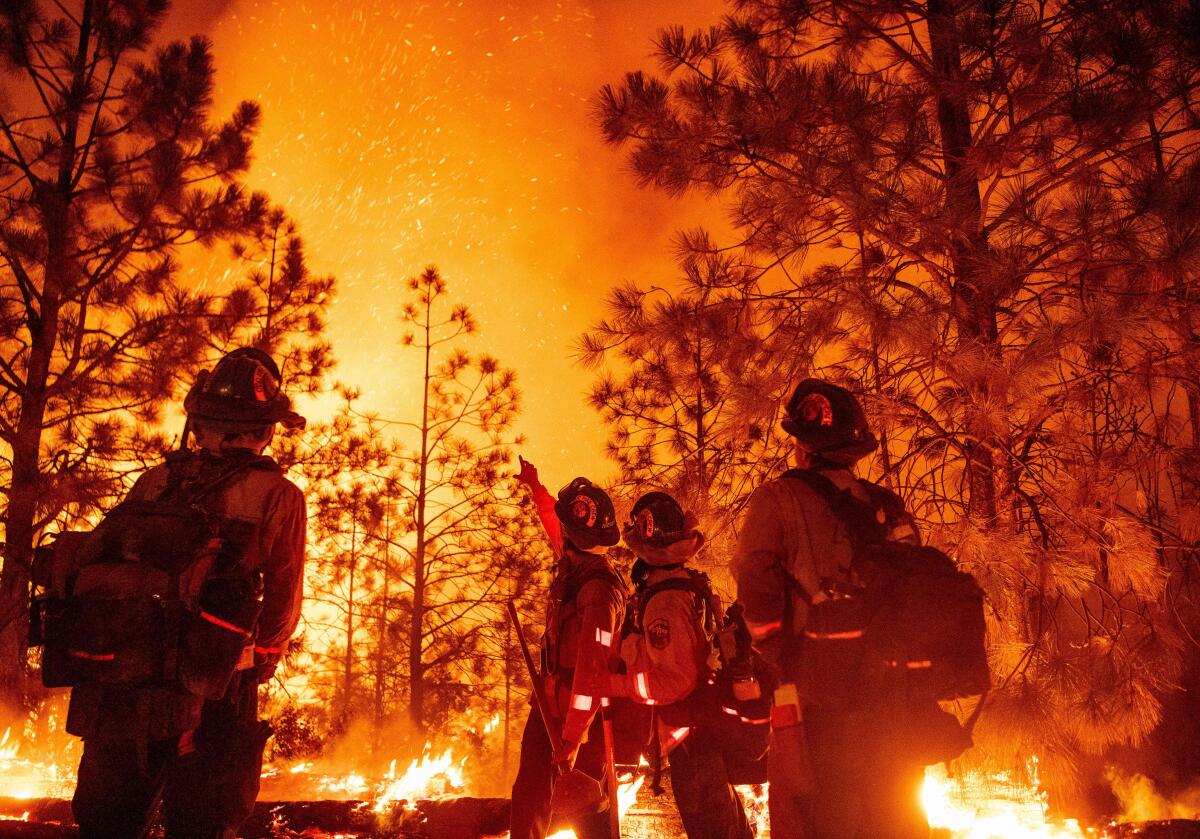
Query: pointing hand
x=528 y=474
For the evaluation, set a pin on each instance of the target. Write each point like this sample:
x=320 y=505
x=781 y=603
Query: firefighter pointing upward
x=184 y=597
x=586 y=598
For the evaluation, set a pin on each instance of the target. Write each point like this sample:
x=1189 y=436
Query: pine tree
x=967 y=202
x=349 y=527
x=281 y=306
x=110 y=167
x=680 y=391
x=451 y=502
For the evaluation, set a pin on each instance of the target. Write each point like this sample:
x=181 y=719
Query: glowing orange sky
x=457 y=133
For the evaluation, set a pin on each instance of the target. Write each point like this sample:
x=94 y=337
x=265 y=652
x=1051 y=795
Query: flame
x=424 y=778
x=22 y=778
x=754 y=800
x=977 y=805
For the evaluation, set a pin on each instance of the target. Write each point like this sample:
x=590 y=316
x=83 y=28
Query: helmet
x=661 y=533
x=587 y=515
x=243 y=391
x=657 y=519
x=828 y=420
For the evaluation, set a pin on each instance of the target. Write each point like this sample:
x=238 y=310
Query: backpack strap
x=193 y=492
x=695 y=583
x=865 y=521
x=574 y=583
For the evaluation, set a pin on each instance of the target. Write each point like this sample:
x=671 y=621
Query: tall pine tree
x=111 y=165
x=979 y=191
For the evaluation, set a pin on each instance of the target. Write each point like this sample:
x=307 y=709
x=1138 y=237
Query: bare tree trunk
x=416 y=634
x=508 y=677
x=21 y=520
x=348 y=658
x=381 y=647
x=975 y=306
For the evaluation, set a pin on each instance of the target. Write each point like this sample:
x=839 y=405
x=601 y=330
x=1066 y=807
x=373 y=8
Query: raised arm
x=544 y=502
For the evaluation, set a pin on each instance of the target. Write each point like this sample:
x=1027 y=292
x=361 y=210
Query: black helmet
x=657 y=519
x=242 y=391
x=587 y=515
x=829 y=421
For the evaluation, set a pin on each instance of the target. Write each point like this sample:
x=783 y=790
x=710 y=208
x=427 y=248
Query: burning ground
x=431 y=795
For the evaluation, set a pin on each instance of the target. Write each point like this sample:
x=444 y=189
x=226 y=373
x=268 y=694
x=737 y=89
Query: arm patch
x=659 y=633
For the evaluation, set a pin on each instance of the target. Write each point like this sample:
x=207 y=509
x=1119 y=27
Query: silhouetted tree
x=451 y=484
x=110 y=166
x=280 y=307
x=984 y=191
x=682 y=390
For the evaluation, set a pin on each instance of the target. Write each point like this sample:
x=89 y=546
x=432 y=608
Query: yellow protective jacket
x=668 y=658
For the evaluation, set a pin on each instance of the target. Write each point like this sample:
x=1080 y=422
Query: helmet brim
x=237 y=413
x=587 y=539
x=832 y=444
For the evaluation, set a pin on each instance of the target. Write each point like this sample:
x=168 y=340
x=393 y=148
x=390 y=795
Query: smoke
x=1141 y=800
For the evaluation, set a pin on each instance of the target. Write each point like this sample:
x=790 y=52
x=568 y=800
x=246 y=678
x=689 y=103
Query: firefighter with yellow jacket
x=587 y=598
x=833 y=773
x=666 y=650
x=192 y=741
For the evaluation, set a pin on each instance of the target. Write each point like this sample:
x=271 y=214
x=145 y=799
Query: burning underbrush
x=354 y=794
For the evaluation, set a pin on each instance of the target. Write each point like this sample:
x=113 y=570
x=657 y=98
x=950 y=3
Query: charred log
x=444 y=818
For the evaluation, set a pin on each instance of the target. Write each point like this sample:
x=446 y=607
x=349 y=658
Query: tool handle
x=610 y=758
x=539 y=684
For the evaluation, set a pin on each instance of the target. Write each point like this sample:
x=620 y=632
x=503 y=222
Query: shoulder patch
x=659 y=633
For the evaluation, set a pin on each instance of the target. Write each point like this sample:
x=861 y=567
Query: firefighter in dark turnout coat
x=203 y=757
x=833 y=773
x=666 y=655
x=587 y=598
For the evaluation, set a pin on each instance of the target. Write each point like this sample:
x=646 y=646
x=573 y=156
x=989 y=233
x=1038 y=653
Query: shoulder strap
x=696 y=583
x=193 y=490
x=862 y=519
x=574 y=583
x=819 y=484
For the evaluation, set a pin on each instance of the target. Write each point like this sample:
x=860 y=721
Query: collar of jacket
x=675 y=553
x=574 y=558
x=657 y=575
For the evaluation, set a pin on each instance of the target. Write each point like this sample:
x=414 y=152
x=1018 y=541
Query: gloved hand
x=264 y=665
x=564 y=757
x=528 y=474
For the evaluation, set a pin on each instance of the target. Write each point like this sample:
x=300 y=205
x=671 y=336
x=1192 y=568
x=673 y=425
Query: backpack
x=110 y=606
x=901 y=623
x=740 y=727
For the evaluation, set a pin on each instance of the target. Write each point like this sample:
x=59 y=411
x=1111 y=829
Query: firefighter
x=833 y=773
x=666 y=649
x=201 y=758
x=587 y=597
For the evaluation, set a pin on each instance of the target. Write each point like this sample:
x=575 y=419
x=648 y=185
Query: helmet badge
x=263 y=383
x=645 y=523
x=816 y=410
x=584 y=510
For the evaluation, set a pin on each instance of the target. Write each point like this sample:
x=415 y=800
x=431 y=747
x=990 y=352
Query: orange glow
x=22 y=777
x=460 y=134
x=425 y=778
x=627 y=791
x=978 y=805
